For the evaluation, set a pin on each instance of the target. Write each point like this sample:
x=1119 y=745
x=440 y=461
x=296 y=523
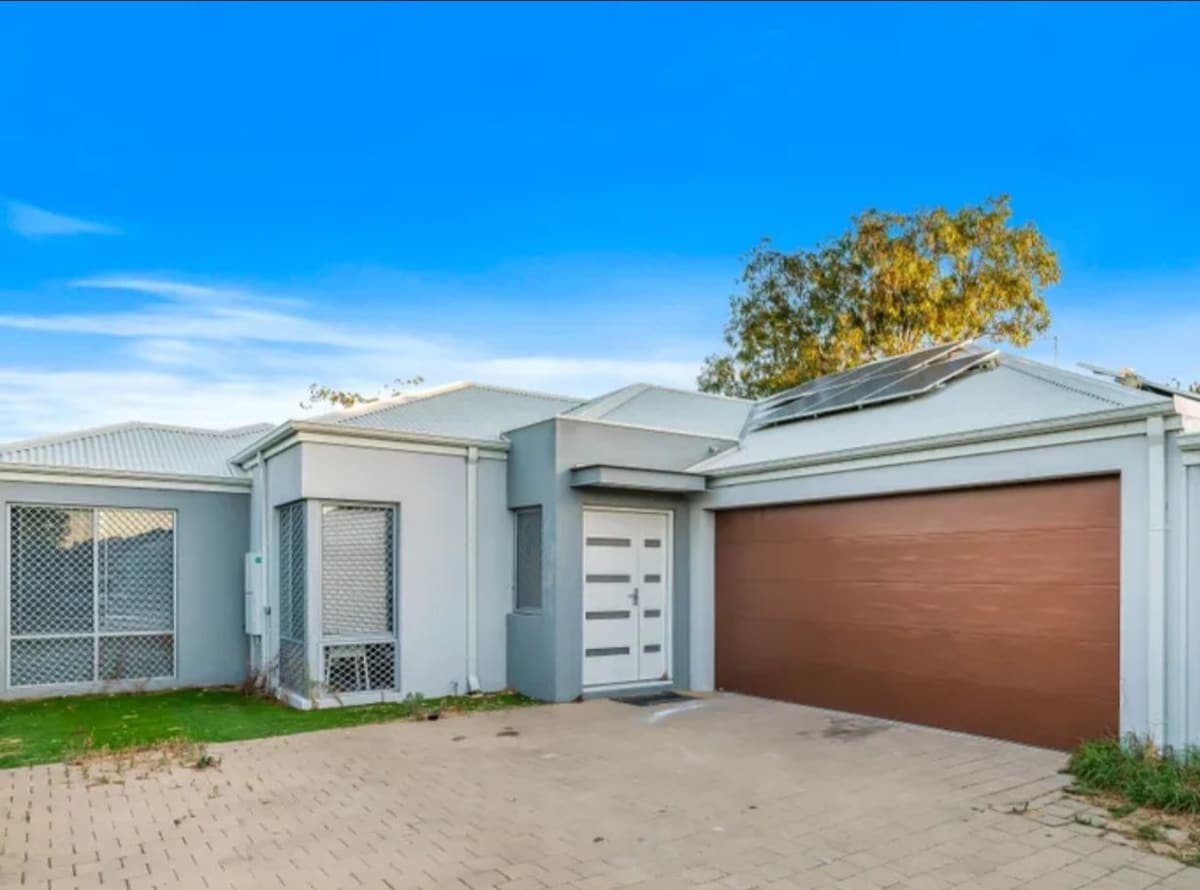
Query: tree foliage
x=890 y=284
x=319 y=394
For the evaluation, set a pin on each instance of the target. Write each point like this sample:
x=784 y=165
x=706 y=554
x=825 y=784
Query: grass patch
x=57 y=729
x=1139 y=774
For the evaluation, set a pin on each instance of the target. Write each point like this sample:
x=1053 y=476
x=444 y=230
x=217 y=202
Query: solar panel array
x=885 y=380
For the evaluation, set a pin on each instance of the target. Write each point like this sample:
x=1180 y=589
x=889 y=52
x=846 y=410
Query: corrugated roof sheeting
x=139 y=448
x=468 y=411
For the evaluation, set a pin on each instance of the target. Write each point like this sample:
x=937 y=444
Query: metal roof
x=458 y=410
x=661 y=407
x=1015 y=391
x=137 y=447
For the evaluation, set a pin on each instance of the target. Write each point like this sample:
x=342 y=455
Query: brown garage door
x=991 y=610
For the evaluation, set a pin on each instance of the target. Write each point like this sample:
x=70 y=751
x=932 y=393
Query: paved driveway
x=725 y=793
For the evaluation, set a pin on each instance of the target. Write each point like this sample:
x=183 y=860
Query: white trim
x=888 y=456
x=296 y=431
x=1156 y=581
x=668 y=590
x=119 y=478
x=488 y=451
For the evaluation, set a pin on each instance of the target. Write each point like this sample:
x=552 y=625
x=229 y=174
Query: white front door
x=626 y=590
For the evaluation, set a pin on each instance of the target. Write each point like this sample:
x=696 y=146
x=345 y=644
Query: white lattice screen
x=91 y=594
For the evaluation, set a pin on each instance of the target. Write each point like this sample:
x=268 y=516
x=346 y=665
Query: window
x=358 y=597
x=293 y=592
x=91 y=594
x=529 y=558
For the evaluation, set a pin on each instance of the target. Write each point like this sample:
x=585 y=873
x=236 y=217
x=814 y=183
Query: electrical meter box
x=256 y=594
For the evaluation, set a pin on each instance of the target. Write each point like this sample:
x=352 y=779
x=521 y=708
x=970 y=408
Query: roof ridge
x=368 y=408
x=697 y=392
x=105 y=429
x=1072 y=381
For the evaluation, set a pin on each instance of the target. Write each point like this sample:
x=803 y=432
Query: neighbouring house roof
x=457 y=410
x=136 y=447
x=661 y=407
x=1014 y=391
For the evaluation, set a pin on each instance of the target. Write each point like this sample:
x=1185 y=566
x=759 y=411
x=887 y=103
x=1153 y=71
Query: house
x=956 y=537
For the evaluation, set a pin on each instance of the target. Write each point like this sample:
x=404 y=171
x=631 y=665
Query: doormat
x=647 y=699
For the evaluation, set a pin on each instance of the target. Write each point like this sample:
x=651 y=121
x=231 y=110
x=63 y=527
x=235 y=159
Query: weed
x=1140 y=773
x=1148 y=833
x=1122 y=810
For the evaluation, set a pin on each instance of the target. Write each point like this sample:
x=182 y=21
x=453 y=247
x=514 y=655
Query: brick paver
x=726 y=793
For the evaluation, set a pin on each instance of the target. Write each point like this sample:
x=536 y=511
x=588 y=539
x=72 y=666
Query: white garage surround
x=1159 y=694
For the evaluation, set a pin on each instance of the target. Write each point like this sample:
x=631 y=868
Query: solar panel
x=881 y=381
x=925 y=379
x=881 y=367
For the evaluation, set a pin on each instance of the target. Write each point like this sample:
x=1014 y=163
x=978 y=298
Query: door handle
x=633 y=597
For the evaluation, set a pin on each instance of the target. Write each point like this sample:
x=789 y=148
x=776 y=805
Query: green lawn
x=56 y=729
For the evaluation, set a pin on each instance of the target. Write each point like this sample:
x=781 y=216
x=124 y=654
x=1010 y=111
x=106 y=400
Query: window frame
x=97 y=682
x=322 y=641
x=526 y=609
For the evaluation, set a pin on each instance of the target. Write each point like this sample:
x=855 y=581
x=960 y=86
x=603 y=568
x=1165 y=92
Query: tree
x=319 y=394
x=890 y=284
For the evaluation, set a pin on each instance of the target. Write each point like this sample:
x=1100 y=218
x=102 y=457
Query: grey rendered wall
x=1127 y=455
x=211 y=537
x=546 y=647
x=430 y=491
x=533 y=482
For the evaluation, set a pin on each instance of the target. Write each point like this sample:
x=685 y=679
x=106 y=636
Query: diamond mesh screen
x=53 y=581
x=357 y=564
x=364 y=667
x=293 y=670
x=62 y=660
x=142 y=656
x=136 y=571
x=92 y=594
x=293 y=667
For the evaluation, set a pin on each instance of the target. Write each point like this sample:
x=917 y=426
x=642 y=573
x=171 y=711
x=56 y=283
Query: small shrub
x=1139 y=772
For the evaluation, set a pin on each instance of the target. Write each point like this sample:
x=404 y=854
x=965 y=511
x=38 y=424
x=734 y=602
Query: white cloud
x=29 y=221
x=214 y=356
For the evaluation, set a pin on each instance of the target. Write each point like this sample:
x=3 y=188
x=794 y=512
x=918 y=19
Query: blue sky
x=203 y=209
